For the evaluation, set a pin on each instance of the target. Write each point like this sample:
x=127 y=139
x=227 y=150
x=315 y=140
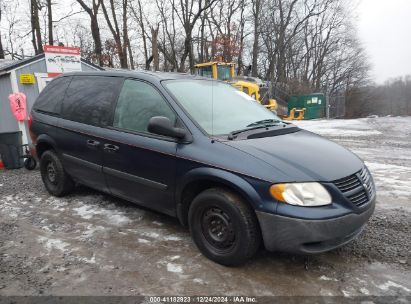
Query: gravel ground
x=89 y=243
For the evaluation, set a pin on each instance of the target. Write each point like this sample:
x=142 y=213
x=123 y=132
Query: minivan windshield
x=217 y=107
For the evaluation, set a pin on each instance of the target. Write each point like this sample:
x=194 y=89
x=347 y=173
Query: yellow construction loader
x=252 y=86
x=295 y=114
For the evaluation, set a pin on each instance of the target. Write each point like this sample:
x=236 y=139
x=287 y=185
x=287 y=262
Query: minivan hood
x=303 y=156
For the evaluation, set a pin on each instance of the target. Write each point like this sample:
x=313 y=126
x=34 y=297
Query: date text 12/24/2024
x=203 y=299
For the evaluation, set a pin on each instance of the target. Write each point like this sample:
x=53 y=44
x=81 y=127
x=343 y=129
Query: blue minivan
x=198 y=149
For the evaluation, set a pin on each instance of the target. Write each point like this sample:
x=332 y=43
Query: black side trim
x=135 y=179
x=82 y=162
x=47 y=112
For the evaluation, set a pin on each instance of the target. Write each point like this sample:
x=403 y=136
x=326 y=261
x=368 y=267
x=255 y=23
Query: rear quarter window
x=50 y=98
x=90 y=99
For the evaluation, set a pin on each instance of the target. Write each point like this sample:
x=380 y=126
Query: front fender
x=232 y=181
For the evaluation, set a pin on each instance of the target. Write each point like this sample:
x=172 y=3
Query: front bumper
x=311 y=236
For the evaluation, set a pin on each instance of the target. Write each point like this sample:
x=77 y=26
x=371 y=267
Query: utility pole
x=327 y=106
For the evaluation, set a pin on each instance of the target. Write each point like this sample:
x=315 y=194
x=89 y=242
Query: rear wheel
x=55 y=179
x=224 y=227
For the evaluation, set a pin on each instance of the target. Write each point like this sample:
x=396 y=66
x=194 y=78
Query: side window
x=205 y=72
x=137 y=103
x=50 y=98
x=89 y=99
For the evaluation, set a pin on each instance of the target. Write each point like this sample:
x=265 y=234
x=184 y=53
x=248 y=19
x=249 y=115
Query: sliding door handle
x=111 y=148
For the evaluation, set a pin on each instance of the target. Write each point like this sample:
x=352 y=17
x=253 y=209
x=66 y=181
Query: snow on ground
x=53 y=246
x=115 y=218
x=384 y=143
x=339 y=127
x=401 y=126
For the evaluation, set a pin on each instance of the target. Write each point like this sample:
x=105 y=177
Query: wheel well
x=194 y=188
x=42 y=147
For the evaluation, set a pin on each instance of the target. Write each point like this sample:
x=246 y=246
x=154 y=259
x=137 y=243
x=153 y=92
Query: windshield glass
x=217 y=107
x=224 y=72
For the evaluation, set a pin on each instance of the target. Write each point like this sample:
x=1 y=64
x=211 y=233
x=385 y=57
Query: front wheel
x=224 y=227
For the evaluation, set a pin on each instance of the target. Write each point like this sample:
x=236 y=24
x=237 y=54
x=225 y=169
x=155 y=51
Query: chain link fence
x=279 y=93
x=336 y=106
x=335 y=102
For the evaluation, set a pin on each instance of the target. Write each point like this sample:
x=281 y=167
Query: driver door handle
x=93 y=143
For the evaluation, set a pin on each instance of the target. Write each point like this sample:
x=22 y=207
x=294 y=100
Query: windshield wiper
x=233 y=134
x=264 y=122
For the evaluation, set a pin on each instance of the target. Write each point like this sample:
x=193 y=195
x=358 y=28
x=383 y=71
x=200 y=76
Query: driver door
x=138 y=165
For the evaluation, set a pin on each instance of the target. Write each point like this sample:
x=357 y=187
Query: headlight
x=301 y=194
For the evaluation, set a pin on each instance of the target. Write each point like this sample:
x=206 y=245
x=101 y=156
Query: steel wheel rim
x=51 y=173
x=217 y=228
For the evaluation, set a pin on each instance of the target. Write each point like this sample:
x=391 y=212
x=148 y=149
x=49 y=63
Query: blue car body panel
x=154 y=171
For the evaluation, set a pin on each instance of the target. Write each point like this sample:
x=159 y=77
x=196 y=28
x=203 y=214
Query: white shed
x=28 y=76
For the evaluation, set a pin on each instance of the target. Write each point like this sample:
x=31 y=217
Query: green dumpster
x=314 y=104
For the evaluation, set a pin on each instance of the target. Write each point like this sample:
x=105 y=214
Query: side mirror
x=163 y=126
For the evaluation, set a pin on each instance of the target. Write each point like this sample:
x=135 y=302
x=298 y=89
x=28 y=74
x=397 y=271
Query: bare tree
x=126 y=37
x=120 y=37
x=168 y=45
x=188 y=16
x=35 y=27
x=92 y=11
x=14 y=39
x=50 y=22
x=241 y=37
x=202 y=37
x=301 y=46
x=137 y=13
x=256 y=11
x=1 y=38
x=222 y=16
x=391 y=98
x=154 y=47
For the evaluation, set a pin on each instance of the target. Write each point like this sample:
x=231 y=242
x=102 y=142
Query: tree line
x=391 y=98
x=300 y=46
x=304 y=45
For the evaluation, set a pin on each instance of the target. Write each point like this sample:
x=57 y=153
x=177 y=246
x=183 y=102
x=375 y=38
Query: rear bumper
x=310 y=236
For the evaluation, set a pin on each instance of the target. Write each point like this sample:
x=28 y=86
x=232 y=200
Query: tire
x=224 y=228
x=30 y=163
x=55 y=179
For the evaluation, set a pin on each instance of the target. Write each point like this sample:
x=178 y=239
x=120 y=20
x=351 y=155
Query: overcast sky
x=385 y=30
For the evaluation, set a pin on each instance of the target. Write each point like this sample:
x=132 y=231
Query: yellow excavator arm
x=225 y=71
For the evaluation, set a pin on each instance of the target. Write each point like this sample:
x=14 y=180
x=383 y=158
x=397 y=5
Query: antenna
x=212 y=107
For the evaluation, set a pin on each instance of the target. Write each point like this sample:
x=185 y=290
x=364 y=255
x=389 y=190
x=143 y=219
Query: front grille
x=357 y=188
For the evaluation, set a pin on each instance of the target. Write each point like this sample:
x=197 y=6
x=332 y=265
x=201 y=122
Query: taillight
x=30 y=121
x=32 y=135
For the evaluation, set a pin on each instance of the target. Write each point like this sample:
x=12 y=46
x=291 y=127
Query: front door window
x=137 y=104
